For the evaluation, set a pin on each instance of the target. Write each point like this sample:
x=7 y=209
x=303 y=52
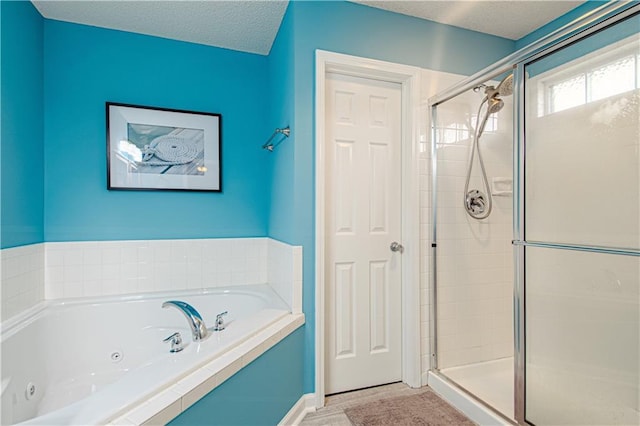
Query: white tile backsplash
x=120 y=267
x=285 y=273
x=22 y=278
x=78 y=269
x=60 y=270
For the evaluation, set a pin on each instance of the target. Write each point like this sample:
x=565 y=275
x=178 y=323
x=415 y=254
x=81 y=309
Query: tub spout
x=198 y=328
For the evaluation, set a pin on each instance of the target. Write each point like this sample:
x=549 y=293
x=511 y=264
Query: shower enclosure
x=536 y=227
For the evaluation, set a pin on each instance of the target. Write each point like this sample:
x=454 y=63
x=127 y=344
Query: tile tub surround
x=100 y=268
x=22 y=278
x=48 y=271
x=284 y=269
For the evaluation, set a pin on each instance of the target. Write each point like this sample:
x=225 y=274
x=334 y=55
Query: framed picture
x=162 y=149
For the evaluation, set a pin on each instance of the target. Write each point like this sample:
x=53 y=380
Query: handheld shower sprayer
x=477 y=204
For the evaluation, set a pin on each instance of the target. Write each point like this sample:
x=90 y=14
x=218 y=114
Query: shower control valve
x=476 y=204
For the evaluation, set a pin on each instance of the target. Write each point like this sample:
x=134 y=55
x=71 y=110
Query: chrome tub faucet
x=198 y=328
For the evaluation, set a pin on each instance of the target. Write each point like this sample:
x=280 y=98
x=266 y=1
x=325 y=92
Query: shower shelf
x=502 y=186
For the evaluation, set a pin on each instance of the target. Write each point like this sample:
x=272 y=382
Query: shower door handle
x=396 y=246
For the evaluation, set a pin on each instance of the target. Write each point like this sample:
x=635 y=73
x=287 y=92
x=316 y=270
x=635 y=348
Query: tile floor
x=332 y=414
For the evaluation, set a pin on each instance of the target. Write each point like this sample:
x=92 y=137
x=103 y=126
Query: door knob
x=396 y=246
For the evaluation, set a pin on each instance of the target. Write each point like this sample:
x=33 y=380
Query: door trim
x=409 y=79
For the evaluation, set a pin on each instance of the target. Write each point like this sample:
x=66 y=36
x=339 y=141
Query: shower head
x=505 y=88
x=494 y=105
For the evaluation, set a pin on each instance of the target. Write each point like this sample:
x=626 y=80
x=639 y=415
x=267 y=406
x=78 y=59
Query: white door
x=363 y=217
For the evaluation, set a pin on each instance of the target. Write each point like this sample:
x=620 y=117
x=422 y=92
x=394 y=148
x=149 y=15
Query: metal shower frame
x=604 y=16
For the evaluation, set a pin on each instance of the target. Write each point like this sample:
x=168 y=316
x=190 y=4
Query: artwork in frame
x=151 y=148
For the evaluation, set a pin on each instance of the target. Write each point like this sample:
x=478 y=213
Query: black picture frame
x=152 y=148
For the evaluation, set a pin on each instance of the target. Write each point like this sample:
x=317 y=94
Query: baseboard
x=306 y=404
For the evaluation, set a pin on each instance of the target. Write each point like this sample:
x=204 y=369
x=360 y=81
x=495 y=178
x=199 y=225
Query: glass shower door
x=474 y=261
x=582 y=231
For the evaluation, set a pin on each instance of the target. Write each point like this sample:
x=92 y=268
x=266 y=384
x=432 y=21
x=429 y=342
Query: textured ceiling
x=249 y=26
x=509 y=19
x=252 y=25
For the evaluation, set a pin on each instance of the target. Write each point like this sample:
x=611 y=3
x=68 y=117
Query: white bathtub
x=94 y=361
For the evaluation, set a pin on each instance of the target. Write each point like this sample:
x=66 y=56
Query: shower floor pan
x=490 y=381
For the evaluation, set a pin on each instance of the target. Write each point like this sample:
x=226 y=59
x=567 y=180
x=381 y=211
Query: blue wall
x=22 y=155
x=559 y=22
x=281 y=114
x=598 y=40
x=362 y=31
x=259 y=394
x=86 y=66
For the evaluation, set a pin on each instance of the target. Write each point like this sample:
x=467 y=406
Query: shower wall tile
x=475 y=272
x=22 y=278
x=432 y=83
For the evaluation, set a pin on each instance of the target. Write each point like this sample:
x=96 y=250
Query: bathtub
x=103 y=360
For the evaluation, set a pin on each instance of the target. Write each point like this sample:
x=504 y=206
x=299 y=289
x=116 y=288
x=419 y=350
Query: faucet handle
x=176 y=342
x=219 y=324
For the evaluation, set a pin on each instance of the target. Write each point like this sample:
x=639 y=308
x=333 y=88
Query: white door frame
x=409 y=79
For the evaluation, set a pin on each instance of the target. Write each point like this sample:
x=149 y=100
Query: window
x=567 y=94
x=593 y=79
x=614 y=78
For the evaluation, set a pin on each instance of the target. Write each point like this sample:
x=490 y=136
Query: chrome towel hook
x=269 y=145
